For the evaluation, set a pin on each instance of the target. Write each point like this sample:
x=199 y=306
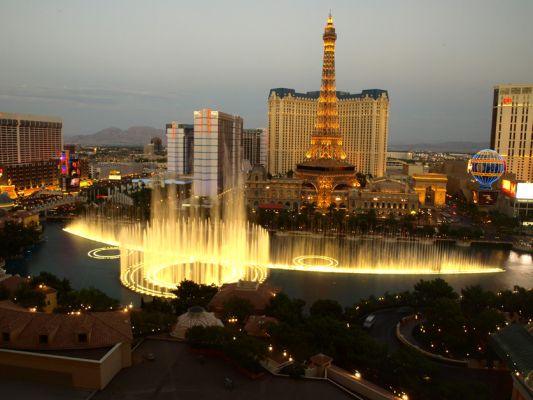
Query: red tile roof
x=102 y=329
x=257 y=294
x=13 y=282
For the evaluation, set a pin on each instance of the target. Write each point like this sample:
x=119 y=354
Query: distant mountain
x=451 y=147
x=134 y=136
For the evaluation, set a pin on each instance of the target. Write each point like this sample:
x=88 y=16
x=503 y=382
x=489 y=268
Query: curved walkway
x=404 y=333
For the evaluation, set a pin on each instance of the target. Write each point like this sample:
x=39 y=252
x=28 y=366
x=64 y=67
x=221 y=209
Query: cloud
x=81 y=95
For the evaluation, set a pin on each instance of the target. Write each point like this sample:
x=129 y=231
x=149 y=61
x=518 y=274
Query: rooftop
x=372 y=93
x=30 y=117
x=29 y=330
x=176 y=373
x=514 y=344
x=259 y=296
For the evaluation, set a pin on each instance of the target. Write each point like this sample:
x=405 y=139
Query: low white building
x=195 y=316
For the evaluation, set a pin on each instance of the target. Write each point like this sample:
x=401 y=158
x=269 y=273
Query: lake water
x=66 y=256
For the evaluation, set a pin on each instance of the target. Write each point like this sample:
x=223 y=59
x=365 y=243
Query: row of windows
x=400 y=206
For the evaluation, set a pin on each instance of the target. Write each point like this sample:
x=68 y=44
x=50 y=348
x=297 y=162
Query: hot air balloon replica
x=486 y=166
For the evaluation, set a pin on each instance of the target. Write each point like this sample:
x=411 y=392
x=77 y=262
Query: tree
x=237 y=307
x=485 y=323
x=390 y=223
x=157 y=305
x=28 y=297
x=474 y=299
x=46 y=278
x=191 y=294
x=150 y=321
x=361 y=178
x=286 y=309
x=427 y=292
x=326 y=308
x=446 y=314
x=291 y=337
x=85 y=298
x=371 y=218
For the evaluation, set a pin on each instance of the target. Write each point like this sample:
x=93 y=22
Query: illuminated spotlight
x=311 y=261
x=101 y=253
x=159 y=280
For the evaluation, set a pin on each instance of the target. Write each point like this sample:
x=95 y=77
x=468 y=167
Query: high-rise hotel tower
x=30 y=146
x=217 y=152
x=180 y=148
x=512 y=129
x=363 y=121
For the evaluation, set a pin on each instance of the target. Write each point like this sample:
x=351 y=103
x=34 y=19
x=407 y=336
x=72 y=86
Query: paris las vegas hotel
x=364 y=124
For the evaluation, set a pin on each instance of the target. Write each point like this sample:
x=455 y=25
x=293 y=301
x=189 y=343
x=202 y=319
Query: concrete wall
x=359 y=386
x=78 y=372
x=113 y=362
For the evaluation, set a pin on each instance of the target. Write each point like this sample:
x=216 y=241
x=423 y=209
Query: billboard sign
x=63 y=163
x=487 y=198
x=524 y=191
x=509 y=187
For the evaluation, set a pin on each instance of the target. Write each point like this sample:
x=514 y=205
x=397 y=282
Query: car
x=369 y=321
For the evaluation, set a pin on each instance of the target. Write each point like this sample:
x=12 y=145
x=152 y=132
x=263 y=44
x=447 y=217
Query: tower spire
x=326 y=141
x=324 y=165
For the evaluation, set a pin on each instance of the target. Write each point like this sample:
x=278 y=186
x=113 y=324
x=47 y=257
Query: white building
x=511 y=133
x=217 y=152
x=180 y=148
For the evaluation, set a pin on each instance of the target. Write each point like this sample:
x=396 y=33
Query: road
x=497 y=383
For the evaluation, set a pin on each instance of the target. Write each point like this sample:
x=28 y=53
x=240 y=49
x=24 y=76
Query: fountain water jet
x=176 y=245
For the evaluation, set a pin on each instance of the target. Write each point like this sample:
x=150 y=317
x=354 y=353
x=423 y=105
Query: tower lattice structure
x=324 y=165
x=326 y=141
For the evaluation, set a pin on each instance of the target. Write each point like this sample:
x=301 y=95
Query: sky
x=123 y=63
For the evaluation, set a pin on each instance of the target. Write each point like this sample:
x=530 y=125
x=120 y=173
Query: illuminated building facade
x=511 y=133
x=217 y=152
x=262 y=192
x=364 y=124
x=180 y=148
x=324 y=164
x=70 y=171
x=385 y=196
x=30 y=146
x=517 y=200
x=431 y=189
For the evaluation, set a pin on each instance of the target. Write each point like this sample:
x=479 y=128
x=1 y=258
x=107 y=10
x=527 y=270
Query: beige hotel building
x=512 y=129
x=364 y=123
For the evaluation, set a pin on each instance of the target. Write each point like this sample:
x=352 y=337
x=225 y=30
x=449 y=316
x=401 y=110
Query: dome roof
x=196 y=316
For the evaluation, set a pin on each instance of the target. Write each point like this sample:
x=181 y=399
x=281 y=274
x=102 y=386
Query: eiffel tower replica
x=324 y=166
